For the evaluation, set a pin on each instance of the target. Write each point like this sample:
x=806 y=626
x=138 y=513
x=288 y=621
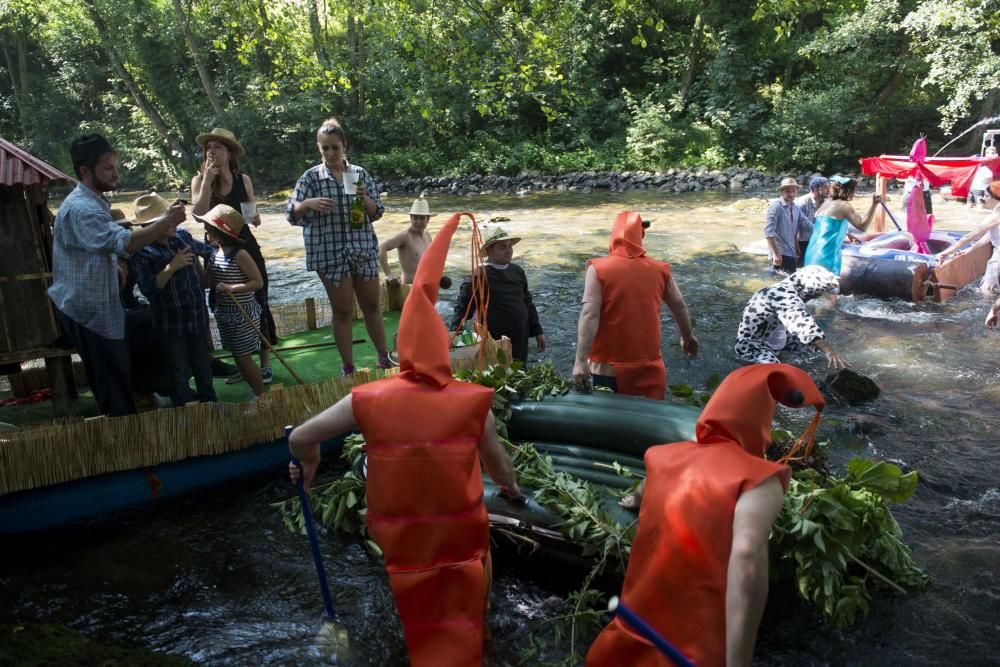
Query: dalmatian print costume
x=776 y=317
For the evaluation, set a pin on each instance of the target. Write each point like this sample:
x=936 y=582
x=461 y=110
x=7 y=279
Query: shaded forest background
x=455 y=87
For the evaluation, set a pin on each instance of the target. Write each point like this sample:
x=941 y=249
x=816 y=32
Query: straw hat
x=150 y=207
x=421 y=207
x=118 y=217
x=788 y=182
x=224 y=136
x=224 y=219
x=496 y=236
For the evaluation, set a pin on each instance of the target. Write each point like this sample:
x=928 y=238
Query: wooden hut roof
x=18 y=167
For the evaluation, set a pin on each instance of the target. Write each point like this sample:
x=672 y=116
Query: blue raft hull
x=79 y=500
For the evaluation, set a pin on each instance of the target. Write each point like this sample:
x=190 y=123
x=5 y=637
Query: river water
x=216 y=578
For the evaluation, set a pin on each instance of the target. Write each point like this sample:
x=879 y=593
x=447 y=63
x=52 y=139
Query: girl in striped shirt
x=233 y=274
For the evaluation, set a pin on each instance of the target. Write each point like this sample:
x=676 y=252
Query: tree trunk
x=360 y=71
x=264 y=45
x=890 y=88
x=317 y=36
x=22 y=68
x=206 y=81
x=975 y=142
x=23 y=112
x=140 y=98
x=694 y=55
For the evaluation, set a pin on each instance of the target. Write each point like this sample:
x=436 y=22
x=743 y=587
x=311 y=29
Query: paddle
x=263 y=338
x=890 y=215
x=332 y=634
x=646 y=630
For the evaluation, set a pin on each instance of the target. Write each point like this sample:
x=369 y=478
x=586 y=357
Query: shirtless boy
x=410 y=244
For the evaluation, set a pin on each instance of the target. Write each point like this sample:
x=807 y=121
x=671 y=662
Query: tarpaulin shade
x=936 y=170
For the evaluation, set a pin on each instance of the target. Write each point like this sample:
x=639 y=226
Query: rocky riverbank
x=734 y=179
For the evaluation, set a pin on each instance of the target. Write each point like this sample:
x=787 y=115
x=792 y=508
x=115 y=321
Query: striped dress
x=237 y=336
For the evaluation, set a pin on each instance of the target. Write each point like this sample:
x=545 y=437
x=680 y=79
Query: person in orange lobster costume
x=425 y=435
x=697 y=570
x=619 y=327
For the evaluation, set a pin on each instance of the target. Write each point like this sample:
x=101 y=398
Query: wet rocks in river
x=850 y=387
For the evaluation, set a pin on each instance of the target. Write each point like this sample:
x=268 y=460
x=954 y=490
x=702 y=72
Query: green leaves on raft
x=835 y=538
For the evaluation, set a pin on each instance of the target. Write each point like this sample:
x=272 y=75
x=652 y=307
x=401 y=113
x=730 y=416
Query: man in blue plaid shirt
x=85 y=281
x=169 y=276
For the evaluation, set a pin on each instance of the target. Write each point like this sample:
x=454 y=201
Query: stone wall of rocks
x=734 y=179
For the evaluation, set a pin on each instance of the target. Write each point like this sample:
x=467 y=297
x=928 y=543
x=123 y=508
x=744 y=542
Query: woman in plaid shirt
x=345 y=258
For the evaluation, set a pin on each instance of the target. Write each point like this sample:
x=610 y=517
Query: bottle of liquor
x=357 y=214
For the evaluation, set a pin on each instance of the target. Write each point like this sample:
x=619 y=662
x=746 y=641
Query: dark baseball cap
x=88 y=147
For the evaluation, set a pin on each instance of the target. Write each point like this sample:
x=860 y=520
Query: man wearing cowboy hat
x=170 y=277
x=786 y=224
x=410 y=244
x=85 y=281
x=511 y=311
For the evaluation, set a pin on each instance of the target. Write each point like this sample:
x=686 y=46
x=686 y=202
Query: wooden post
x=60 y=382
x=310 y=313
x=394 y=295
x=881 y=188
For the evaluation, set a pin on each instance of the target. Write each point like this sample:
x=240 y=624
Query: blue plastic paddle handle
x=890 y=215
x=647 y=631
x=307 y=515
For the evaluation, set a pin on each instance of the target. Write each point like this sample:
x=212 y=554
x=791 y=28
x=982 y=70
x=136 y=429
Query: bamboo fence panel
x=56 y=452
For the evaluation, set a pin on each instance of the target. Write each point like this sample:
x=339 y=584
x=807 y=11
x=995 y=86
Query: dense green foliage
x=452 y=87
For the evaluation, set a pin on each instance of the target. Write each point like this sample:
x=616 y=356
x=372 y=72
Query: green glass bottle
x=357 y=214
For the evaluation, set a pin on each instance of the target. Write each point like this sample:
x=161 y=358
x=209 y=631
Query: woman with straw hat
x=222 y=182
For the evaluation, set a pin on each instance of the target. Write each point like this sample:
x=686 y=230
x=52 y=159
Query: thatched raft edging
x=54 y=453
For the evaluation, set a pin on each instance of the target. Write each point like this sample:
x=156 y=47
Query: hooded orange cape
x=678 y=566
x=425 y=488
x=632 y=287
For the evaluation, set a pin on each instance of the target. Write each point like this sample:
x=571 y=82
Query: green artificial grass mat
x=313 y=364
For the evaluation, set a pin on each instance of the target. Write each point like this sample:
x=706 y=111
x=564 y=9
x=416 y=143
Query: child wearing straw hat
x=409 y=244
x=169 y=276
x=234 y=276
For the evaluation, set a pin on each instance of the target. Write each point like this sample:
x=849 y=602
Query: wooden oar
x=263 y=338
x=638 y=624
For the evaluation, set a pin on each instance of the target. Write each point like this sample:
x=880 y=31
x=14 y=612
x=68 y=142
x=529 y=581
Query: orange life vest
x=426 y=511
x=679 y=561
x=632 y=288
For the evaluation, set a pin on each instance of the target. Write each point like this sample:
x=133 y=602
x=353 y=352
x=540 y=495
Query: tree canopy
x=463 y=86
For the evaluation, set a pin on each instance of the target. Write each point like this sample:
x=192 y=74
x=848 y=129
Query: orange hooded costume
x=678 y=566
x=632 y=288
x=425 y=487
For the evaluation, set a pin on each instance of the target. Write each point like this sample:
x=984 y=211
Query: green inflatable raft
x=580 y=432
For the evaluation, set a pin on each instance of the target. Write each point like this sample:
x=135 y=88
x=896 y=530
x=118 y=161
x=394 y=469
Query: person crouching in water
x=233 y=274
x=426 y=434
x=776 y=319
x=698 y=570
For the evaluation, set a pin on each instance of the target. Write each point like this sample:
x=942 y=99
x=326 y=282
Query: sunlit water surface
x=215 y=577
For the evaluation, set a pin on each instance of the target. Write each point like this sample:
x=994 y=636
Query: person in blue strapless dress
x=832 y=221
